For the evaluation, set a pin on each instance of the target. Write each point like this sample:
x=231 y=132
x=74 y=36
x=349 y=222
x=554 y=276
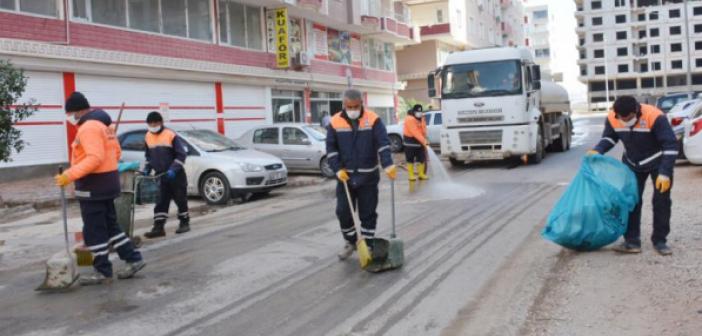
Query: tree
x=12 y=85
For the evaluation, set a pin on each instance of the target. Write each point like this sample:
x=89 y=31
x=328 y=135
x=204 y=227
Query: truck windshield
x=489 y=79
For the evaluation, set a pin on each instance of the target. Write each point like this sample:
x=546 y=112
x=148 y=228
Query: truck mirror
x=431 y=85
x=536 y=72
x=537 y=85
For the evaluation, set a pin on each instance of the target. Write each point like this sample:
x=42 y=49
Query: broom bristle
x=364 y=255
x=84 y=258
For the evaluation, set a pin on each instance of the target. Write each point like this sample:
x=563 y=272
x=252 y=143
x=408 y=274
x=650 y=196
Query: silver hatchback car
x=217 y=168
x=301 y=147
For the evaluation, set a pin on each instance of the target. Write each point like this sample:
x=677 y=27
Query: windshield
x=487 y=79
x=317 y=132
x=210 y=141
x=667 y=103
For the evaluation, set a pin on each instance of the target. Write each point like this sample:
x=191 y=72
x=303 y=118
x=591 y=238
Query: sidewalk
x=605 y=293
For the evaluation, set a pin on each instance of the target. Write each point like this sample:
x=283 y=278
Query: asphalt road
x=270 y=268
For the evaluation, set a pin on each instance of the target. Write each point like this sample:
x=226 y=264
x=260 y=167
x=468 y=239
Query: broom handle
x=64 y=216
x=119 y=117
x=392 y=202
x=354 y=215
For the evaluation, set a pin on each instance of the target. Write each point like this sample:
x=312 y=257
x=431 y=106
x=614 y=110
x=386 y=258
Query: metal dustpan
x=387 y=254
x=61 y=271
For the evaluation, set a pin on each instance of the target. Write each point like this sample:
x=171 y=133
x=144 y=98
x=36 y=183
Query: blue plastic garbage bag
x=594 y=210
x=128 y=166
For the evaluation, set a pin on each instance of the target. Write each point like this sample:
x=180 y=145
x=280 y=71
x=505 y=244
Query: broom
x=364 y=255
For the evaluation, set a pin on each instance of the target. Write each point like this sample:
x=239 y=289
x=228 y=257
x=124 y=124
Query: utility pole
x=687 y=42
x=606 y=63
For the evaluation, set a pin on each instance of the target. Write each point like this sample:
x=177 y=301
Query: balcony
x=388 y=29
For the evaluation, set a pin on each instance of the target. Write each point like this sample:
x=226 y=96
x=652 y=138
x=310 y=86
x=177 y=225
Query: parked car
x=217 y=168
x=692 y=142
x=677 y=116
x=434 y=121
x=667 y=102
x=301 y=147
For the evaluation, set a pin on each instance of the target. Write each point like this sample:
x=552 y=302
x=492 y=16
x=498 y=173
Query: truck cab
x=493 y=106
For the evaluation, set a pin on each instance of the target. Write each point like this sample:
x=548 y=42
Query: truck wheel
x=540 y=149
x=395 y=143
x=561 y=144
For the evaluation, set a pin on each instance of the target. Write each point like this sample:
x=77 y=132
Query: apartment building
x=453 y=25
x=645 y=48
x=214 y=64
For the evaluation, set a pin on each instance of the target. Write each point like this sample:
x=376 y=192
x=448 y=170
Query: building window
x=697 y=11
x=597 y=21
x=599 y=70
x=379 y=55
x=599 y=53
x=622 y=51
x=619 y=3
x=643 y=67
x=656 y=66
x=678 y=64
x=674 y=13
x=643 y=50
x=544 y=52
x=596 y=5
x=698 y=62
x=698 y=45
x=623 y=68
x=676 y=47
x=655 y=32
x=675 y=30
x=287 y=106
x=698 y=28
x=677 y=80
x=620 y=18
x=655 y=49
x=541 y=14
x=599 y=37
x=621 y=35
x=653 y=16
x=439 y=16
x=41 y=7
x=642 y=34
x=583 y=70
x=323 y=103
x=642 y=17
x=184 y=18
x=240 y=25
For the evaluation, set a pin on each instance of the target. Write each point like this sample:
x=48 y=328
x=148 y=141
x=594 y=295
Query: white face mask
x=419 y=115
x=154 y=129
x=631 y=122
x=71 y=119
x=353 y=114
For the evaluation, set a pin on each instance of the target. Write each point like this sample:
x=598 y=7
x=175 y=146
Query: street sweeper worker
x=650 y=149
x=356 y=138
x=95 y=153
x=165 y=155
x=416 y=143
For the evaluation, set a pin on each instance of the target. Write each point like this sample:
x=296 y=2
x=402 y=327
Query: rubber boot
x=423 y=171
x=410 y=170
x=156 y=231
x=184 y=226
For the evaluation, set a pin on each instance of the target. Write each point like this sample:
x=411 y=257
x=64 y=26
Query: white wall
x=244 y=108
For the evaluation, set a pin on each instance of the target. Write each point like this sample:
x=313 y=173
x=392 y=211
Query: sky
x=563 y=40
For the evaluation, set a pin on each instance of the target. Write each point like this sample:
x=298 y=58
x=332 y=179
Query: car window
x=697 y=113
x=294 y=136
x=133 y=141
x=317 y=132
x=437 y=119
x=266 y=136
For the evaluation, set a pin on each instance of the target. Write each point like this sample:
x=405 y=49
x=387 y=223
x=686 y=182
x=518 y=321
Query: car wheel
x=325 y=168
x=395 y=143
x=214 y=188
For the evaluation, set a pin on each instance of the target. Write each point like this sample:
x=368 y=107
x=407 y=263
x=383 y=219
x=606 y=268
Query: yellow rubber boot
x=410 y=170
x=423 y=171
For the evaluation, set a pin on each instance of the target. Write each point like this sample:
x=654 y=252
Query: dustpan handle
x=392 y=204
x=354 y=214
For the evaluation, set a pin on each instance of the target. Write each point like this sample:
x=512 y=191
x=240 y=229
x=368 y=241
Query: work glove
x=342 y=175
x=592 y=152
x=391 y=171
x=663 y=183
x=62 y=180
x=170 y=174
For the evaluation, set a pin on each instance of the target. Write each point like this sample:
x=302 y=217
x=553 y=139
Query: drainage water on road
x=442 y=186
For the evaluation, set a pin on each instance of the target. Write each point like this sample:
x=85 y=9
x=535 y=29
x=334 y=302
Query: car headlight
x=250 y=167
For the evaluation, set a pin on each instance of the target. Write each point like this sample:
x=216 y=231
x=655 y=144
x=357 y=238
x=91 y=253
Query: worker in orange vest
x=95 y=153
x=416 y=143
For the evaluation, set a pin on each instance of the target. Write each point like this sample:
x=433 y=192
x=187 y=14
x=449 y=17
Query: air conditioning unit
x=301 y=59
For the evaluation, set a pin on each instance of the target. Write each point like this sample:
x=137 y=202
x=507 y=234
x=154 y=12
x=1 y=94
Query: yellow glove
x=342 y=175
x=663 y=183
x=62 y=180
x=391 y=172
x=592 y=152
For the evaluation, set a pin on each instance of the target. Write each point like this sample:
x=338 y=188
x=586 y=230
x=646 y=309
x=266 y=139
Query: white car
x=217 y=168
x=301 y=147
x=692 y=142
x=434 y=121
x=678 y=115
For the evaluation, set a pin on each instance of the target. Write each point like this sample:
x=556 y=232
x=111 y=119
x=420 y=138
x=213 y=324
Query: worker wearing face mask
x=165 y=155
x=650 y=149
x=415 y=143
x=356 y=138
x=94 y=156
